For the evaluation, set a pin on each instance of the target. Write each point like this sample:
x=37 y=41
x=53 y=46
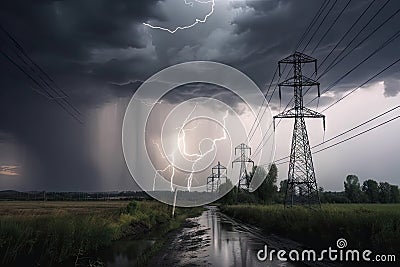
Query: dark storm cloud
x=98 y=49
x=61 y=36
x=263 y=32
x=72 y=38
x=125 y=89
x=195 y=90
x=54 y=140
x=271 y=29
x=186 y=92
x=75 y=27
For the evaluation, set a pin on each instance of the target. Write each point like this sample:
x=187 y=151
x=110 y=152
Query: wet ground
x=214 y=239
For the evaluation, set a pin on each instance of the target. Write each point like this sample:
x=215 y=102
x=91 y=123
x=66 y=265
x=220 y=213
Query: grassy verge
x=180 y=216
x=51 y=238
x=363 y=226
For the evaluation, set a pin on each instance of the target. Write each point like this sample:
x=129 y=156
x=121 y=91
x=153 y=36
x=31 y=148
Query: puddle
x=214 y=239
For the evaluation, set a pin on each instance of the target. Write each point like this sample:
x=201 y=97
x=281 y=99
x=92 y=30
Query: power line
x=36 y=82
x=388 y=41
x=383 y=45
x=319 y=26
x=391 y=39
x=365 y=82
x=249 y=137
x=334 y=22
x=276 y=85
x=361 y=85
x=352 y=137
x=324 y=6
x=347 y=32
x=23 y=71
x=38 y=76
x=334 y=62
x=262 y=142
x=312 y=23
x=350 y=130
x=22 y=50
x=265 y=108
x=331 y=26
x=258 y=148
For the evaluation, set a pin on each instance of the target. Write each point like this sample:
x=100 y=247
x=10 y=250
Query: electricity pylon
x=244 y=178
x=218 y=173
x=302 y=185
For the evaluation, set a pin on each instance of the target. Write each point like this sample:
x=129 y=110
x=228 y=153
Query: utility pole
x=243 y=159
x=218 y=173
x=302 y=185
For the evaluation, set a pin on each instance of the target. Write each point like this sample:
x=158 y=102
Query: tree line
x=370 y=191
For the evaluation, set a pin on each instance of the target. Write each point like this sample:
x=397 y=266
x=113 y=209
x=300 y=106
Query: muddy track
x=214 y=239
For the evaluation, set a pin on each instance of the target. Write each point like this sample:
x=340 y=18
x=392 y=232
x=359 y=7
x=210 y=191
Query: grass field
x=54 y=232
x=375 y=226
x=59 y=207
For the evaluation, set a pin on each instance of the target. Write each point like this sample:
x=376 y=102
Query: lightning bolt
x=149 y=103
x=169 y=166
x=189 y=3
x=182 y=147
x=197 y=21
x=199 y=156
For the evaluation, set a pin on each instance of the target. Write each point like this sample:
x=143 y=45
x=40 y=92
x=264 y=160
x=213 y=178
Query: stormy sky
x=99 y=52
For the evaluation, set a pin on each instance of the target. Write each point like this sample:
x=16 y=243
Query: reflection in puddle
x=214 y=239
x=124 y=253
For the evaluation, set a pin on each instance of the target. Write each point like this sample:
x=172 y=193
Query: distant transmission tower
x=244 y=178
x=218 y=173
x=302 y=184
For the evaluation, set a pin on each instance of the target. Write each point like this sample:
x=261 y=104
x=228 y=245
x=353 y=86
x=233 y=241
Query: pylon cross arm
x=299 y=57
x=305 y=112
x=241 y=160
x=302 y=80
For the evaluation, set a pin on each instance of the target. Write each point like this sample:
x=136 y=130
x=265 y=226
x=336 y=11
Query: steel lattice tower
x=244 y=179
x=302 y=185
x=218 y=173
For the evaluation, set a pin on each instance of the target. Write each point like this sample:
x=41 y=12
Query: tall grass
x=364 y=226
x=53 y=238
